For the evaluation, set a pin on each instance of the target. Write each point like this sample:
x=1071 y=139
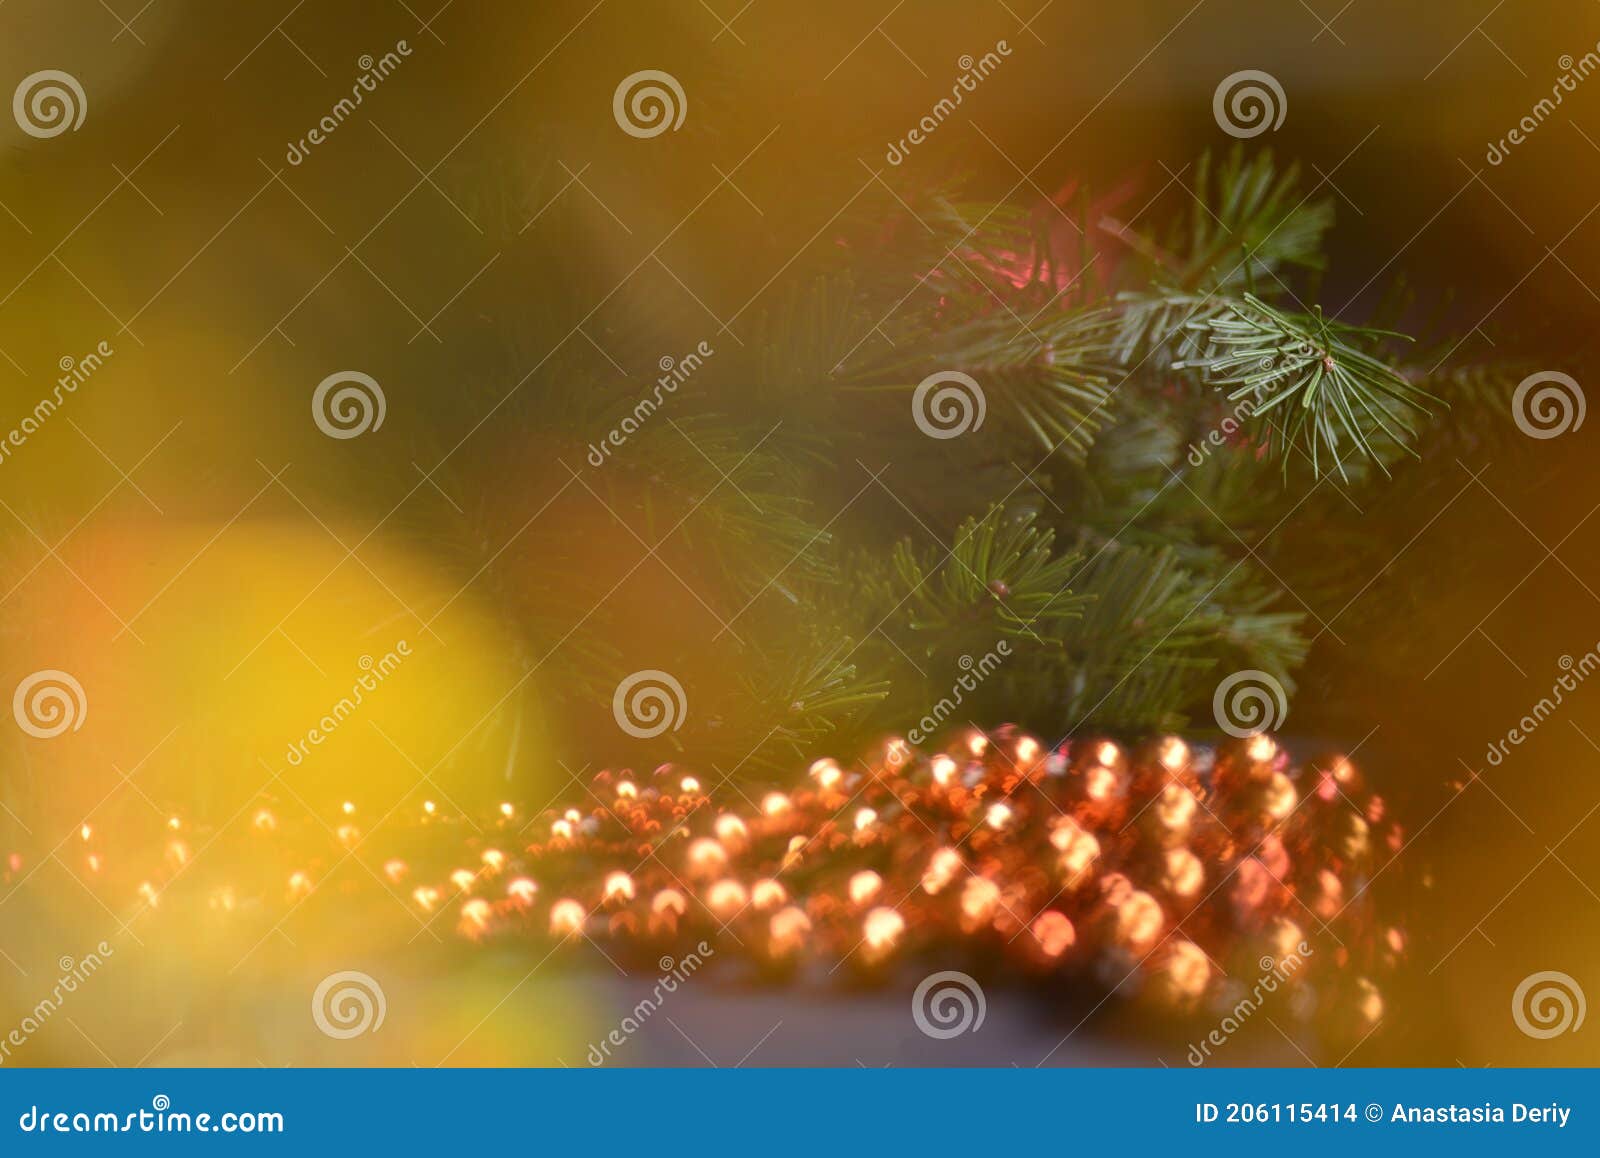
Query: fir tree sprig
x=1334 y=393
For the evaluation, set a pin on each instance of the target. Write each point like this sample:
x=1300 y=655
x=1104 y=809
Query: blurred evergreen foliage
x=1175 y=451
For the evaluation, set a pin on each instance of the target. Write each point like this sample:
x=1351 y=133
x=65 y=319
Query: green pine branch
x=1332 y=394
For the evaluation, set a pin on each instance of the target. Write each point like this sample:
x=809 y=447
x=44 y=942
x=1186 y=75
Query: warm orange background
x=199 y=594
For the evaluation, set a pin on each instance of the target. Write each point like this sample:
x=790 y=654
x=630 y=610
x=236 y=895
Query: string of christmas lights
x=1176 y=873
